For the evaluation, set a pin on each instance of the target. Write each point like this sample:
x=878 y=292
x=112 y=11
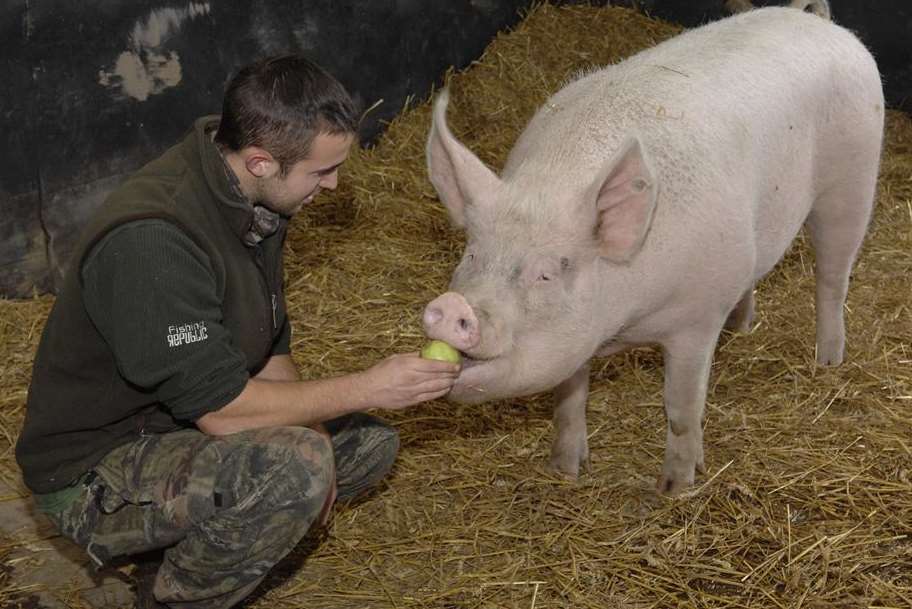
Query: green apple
x=437 y=349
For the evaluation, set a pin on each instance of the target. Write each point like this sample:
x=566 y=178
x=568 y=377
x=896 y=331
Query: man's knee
x=387 y=446
x=365 y=450
x=273 y=469
x=376 y=436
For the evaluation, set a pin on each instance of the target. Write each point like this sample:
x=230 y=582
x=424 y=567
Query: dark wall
x=93 y=89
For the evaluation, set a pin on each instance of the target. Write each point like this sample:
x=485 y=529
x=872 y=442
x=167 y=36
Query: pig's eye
x=540 y=271
x=549 y=274
x=469 y=257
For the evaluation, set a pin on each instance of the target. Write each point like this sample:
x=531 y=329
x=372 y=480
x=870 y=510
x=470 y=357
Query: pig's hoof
x=571 y=476
x=671 y=486
x=568 y=468
x=680 y=479
x=675 y=484
x=829 y=357
x=567 y=458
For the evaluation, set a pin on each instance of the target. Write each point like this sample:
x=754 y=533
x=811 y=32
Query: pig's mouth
x=468 y=361
x=478 y=358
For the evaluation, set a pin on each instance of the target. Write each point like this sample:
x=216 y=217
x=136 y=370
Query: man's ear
x=259 y=163
x=625 y=195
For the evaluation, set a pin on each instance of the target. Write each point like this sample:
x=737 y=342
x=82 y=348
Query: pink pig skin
x=642 y=204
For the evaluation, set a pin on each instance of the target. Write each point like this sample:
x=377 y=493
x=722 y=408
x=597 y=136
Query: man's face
x=306 y=178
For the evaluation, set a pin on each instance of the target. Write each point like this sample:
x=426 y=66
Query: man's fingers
x=432 y=365
x=433 y=395
x=435 y=384
x=443 y=373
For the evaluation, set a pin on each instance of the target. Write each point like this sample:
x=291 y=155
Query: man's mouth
x=309 y=198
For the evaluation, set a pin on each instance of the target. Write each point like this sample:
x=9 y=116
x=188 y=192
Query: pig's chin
x=510 y=375
x=489 y=379
x=479 y=379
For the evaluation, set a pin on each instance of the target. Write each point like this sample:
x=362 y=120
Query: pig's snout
x=450 y=318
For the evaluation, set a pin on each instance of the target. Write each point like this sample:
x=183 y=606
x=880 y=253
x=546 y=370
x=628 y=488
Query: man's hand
x=406 y=379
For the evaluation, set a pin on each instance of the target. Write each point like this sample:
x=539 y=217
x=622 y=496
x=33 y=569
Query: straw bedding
x=807 y=501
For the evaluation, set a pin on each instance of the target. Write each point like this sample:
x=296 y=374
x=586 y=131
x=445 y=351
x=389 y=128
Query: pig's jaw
x=478 y=379
x=494 y=379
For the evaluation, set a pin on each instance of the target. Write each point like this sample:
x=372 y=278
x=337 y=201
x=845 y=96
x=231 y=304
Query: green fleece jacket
x=163 y=316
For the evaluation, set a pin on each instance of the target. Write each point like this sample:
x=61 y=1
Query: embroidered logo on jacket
x=187 y=333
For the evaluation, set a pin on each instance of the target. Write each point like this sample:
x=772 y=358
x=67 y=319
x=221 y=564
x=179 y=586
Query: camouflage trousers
x=226 y=508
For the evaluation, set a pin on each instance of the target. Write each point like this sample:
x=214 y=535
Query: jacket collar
x=237 y=211
x=250 y=223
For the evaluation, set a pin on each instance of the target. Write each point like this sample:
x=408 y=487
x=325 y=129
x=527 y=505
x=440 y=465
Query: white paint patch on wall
x=141 y=75
x=144 y=68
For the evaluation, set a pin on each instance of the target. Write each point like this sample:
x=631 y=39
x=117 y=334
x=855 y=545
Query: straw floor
x=808 y=497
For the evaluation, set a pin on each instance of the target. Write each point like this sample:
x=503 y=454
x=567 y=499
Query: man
x=165 y=410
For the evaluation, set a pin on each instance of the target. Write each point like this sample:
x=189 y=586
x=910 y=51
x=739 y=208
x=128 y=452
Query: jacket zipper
x=275 y=323
x=270 y=295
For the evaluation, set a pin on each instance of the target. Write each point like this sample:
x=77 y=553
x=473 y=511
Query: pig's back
x=722 y=85
x=736 y=117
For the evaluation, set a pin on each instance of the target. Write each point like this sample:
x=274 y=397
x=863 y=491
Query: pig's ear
x=460 y=178
x=625 y=196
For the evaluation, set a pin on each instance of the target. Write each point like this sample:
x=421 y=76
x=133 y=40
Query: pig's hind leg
x=570 y=449
x=836 y=226
x=742 y=316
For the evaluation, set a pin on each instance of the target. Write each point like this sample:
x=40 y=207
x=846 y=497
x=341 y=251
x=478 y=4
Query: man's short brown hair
x=280 y=104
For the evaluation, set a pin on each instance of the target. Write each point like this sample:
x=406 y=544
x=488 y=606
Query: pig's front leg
x=571 y=447
x=688 y=358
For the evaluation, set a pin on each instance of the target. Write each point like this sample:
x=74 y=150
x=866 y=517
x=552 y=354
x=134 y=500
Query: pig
x=641 y=205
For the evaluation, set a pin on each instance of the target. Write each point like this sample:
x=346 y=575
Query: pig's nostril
x=464 y=324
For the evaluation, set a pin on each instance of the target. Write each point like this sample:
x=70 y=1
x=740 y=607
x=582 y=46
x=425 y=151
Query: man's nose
x=331 y=181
